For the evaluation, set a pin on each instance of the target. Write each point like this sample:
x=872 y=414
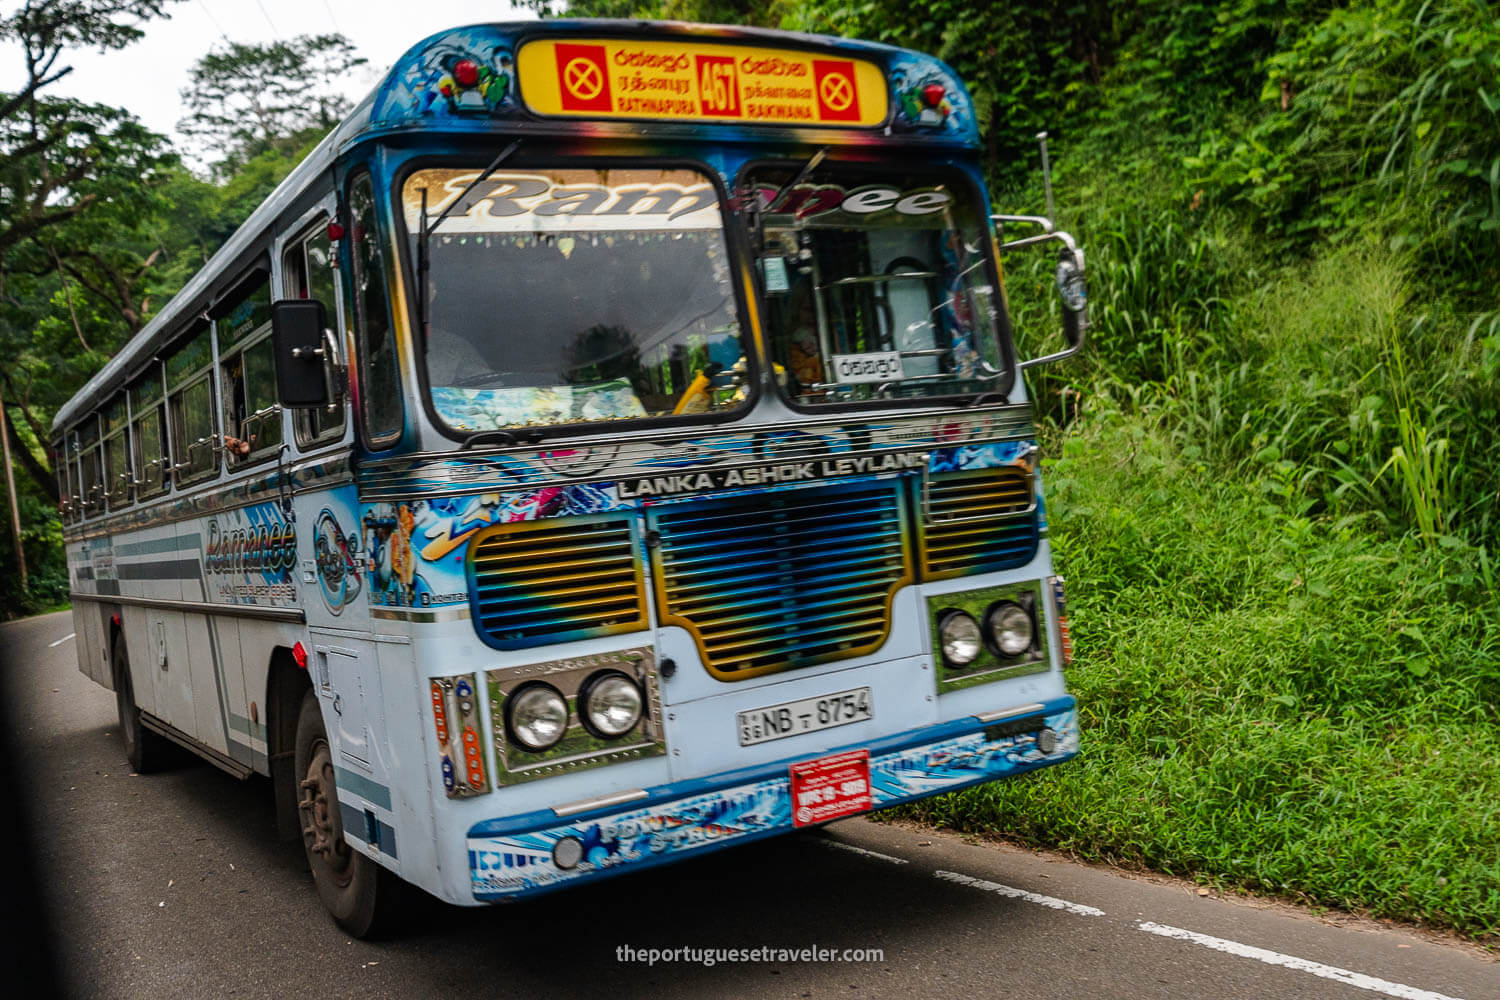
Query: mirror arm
x=1070 y=268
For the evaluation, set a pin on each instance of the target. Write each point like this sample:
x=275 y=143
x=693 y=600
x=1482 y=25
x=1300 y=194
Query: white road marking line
x=1356 y=979
x=1031 y=897
x=860 y=850
x=54 y=645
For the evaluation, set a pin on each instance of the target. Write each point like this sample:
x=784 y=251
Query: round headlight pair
x=1008 y=630
x=609 y=706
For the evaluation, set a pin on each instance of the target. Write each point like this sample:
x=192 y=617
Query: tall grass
x=1273 y=701
x=1276 y=506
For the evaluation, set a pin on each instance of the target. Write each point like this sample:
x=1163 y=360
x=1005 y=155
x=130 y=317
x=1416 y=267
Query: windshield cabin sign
x=672 y=80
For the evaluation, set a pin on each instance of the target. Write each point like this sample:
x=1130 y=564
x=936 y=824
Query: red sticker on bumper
x=830 y=787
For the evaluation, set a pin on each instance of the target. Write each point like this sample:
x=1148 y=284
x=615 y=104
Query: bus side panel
x=92 y=638
x=247 y=669
x=347 y=678
x=173 y=678
x=406 y=701
x=205 y=659
x=88 y=563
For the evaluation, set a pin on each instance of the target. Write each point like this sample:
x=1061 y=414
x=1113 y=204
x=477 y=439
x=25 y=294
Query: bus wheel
x=144 y=750
x=358 y=893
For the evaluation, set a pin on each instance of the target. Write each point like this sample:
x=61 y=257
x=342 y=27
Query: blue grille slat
x=688 y=517
x=721 y=536
x=778 y=598
x=693 y=580
x=783 y=579
x=717 y=553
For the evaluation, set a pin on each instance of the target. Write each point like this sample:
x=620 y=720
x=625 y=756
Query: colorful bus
x=607 y=446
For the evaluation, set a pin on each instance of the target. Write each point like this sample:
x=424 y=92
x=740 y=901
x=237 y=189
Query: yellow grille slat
x=536 y=583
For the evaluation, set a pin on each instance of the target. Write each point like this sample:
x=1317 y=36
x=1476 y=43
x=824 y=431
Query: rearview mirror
x=297 y=330
x=1074 y=294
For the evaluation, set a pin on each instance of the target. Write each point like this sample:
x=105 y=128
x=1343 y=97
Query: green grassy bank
x=1268 y=701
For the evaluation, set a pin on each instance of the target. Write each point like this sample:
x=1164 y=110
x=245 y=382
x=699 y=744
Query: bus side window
x=148 y=435
x=116 y=454
x=379 y=382
x=191 y=408
x=92 y=482
x=247 y=373
x=64 y=500
x=68 y=456
x=308 y=273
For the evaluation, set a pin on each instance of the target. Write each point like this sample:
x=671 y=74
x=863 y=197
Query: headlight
x=1009 y=628
x=537 y=716
x=610 y=705
x=959 y=636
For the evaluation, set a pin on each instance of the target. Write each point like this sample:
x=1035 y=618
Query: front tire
x=144 y=750
x=359 y=894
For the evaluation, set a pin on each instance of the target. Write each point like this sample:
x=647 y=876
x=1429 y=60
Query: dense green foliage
x=1282 y=703
x=100 y=223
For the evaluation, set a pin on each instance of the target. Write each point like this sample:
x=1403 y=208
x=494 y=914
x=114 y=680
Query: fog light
x=610 y=704
x=1009 y=628
x=958 y=633
x=567 y=852
x=537 y=716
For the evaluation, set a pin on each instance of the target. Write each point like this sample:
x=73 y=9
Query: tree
x=58 y=159
x=757 y=13
x=61 y=161
x=249 y=99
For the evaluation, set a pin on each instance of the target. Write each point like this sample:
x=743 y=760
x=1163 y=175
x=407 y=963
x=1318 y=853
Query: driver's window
x=308 y=272
x=379 y=381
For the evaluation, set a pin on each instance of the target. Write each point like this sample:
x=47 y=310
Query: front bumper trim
x=512 y=857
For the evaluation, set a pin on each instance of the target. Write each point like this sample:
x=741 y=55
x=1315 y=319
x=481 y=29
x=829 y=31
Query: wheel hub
x=322 y=827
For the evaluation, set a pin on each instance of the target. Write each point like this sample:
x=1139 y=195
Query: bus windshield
x=878 y=285
x=575 y=296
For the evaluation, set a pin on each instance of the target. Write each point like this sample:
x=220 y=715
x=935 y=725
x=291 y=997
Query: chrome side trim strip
x=289 y=616
x=412 y=615
x=1005 y=713
x=208 y=753
x=600 y=802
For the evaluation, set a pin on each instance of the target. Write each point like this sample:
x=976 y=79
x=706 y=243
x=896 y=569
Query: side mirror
x=1073 y=291
x=1071 y=287
x=297 y=327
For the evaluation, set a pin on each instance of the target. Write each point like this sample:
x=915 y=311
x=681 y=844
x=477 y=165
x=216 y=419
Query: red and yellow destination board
x=608 y=78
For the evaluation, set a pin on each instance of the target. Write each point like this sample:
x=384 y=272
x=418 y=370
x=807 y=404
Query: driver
x=451 y=357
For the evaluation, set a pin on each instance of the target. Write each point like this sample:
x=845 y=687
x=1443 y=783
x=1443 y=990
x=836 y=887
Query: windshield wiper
x=802 y=175
x=755 y=213
x=503 y=438
x=425 y=232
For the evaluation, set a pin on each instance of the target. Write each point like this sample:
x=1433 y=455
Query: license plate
x=830 y=787
x=793 y=718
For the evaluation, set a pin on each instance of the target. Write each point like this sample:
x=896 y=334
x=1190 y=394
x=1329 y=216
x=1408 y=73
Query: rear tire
x=359 y=894
x=144 y=750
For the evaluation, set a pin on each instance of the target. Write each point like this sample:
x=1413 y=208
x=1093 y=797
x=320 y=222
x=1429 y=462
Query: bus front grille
x=773 y=581
x=978 y=522
x=537 y=582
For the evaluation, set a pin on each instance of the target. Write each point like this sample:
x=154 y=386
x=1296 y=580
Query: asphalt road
x=173 y=885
